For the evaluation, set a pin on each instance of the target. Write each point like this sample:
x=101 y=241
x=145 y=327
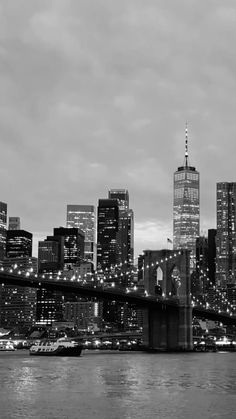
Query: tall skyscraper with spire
x=186 y=208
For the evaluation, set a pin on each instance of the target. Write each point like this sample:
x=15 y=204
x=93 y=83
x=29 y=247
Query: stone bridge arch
x=169 y=261
x=168 y=329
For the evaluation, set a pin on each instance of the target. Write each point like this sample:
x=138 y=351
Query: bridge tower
x=167 y=274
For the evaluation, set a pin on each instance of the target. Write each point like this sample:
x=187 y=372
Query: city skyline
x=88 y=105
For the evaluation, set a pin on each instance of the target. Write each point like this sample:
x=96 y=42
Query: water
x=118 y=385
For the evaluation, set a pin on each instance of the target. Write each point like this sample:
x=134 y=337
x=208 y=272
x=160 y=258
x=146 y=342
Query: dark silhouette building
x=73 y=246
x=125 y=234
x=18 y=243
x=3 y=229
x=212 y=255
x=107 y=229
x=226 y=234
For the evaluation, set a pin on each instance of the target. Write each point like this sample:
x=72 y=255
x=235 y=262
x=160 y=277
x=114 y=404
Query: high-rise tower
x=186 y=209
x=3 y=229
x=107 y=229
x=83 y=217
x=125 y=236
x=226 y=234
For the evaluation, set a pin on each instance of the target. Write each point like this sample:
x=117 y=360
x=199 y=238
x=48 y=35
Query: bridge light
x=15 y=266
x=2 y=269
x=19 y=272
x=11 y=271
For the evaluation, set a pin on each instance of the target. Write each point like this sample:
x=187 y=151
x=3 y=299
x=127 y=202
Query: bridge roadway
x=68 y=287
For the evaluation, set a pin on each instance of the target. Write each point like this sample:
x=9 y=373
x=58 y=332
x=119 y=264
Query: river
x=101 y=385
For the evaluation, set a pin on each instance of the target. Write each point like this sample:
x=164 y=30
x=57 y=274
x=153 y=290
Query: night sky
x=95 y=94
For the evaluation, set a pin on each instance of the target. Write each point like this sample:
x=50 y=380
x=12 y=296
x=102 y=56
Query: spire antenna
x=186 y=145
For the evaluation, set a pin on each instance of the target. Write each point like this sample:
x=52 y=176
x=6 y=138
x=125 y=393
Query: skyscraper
x=3 y=228
x=18 y=306
x=125 y=235
x=73 y=245
x=226 y=234
x=186 y=206
x=107 y=229
x=83 y=217
x=18 y=244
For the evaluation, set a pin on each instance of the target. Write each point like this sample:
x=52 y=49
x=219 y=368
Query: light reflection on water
x=119 y=385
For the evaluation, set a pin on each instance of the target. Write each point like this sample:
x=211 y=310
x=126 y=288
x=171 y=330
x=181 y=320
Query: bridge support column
x=168 y=329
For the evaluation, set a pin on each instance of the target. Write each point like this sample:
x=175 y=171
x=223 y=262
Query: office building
x=18 y=304
x=14 y=223
x=125 y=235
x=3 y=229
x=122 y=196
x=83 y=217
x=73 y=245
x=84 y=314
x=186 y=210
x=107 y=229
x=51 y=255
x=18 y=243
x=226 y=234
x=212 y=255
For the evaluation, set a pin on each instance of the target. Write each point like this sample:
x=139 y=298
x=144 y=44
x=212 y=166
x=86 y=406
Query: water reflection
x=120 y=386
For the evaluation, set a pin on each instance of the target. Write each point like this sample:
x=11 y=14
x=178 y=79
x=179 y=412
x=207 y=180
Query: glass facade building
x=226 y=234
x=83 y=217
x=125 y=235
x=186 y=207
x=107 y=229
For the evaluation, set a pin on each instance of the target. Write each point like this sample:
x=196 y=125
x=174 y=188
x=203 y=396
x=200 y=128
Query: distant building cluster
x=94 y=243
x=90 y=242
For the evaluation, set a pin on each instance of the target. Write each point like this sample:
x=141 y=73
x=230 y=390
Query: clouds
x=95 y=95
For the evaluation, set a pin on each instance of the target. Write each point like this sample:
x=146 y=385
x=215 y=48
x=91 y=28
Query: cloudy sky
x=94 y=94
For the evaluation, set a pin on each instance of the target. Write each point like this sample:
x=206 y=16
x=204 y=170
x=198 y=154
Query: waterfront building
x=84 y=314
x=3 y=229
x=61 y=253
x=83 y=217
x=14 y=223
x=18 y=243
x=226 y=234
x=186 y=208
x=18 y=304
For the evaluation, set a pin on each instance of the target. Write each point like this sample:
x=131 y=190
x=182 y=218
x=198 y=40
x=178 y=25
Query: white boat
x=6 y=345
x=61 y=347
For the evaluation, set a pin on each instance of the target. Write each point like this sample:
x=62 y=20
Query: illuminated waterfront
x=118 y=385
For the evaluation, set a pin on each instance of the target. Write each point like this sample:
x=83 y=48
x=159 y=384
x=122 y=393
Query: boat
x=6 y=345
x=60 y=347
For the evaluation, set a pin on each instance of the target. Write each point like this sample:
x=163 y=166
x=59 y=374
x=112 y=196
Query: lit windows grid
x=186 y=208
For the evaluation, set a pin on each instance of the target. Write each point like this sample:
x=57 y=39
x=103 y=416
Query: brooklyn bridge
x=167 y=316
